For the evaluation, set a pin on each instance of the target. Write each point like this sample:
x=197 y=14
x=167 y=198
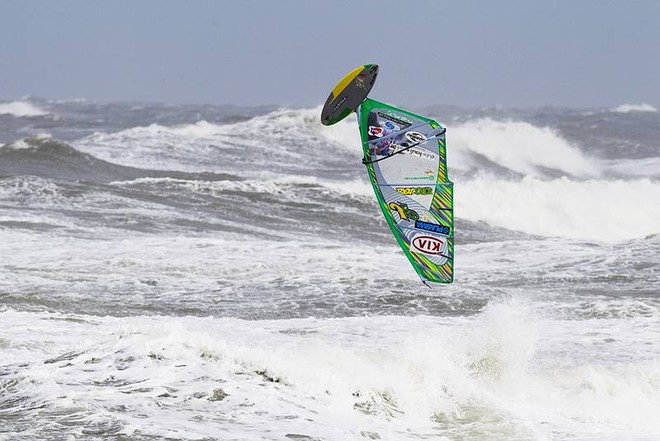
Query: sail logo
x=389 y=125
x=394 y=118
x=398 y=116
x=429 y=226
x=375 y=131
x=408 y=191
x=415 y=137
x=425 y=244
x=403 y=211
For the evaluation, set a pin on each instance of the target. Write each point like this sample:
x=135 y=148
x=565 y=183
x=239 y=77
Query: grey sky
x=471 y=53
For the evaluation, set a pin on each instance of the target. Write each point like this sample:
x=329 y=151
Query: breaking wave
x=627 y=108
x=607 y=211
x=21 y=109
x=519 y=147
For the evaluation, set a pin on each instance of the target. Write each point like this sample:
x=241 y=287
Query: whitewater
x=209 y=272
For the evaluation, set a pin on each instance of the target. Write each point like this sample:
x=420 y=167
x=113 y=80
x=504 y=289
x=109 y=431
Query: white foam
x=507 y=370
x=21 y=108
x=200 y=129
x=518 y=146
x=20 y=144
x=627 y=108
x=29 y=190
x=593 y=210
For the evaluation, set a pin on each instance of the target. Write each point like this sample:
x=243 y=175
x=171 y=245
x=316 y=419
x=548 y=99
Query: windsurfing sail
x=406 y=159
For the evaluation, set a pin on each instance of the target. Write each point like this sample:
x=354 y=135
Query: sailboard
x=406 y=160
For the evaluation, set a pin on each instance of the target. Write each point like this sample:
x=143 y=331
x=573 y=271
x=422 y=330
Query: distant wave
x=627 y=108
x=21 y=109
x=50 y=158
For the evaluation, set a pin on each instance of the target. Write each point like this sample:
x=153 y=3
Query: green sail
x=406 y=158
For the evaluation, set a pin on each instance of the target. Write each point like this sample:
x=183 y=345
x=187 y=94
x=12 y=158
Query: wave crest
x=518 y=146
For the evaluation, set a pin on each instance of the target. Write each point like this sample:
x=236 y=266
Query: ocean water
x=205 y=272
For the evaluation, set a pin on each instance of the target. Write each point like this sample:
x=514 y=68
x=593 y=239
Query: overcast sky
x=291 y=53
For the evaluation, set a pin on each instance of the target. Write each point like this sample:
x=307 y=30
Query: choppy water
x=200 y=272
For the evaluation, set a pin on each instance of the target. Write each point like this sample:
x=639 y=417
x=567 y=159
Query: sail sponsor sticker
x=389 y=125
x=409 y=191
x=430 y=226
x=396 y=118
x=403 y=211
x=376 y=131
x=419 y=178
x=427 y=244
x=415 y=137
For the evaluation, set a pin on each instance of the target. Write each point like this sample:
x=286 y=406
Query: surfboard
x=348 y=94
